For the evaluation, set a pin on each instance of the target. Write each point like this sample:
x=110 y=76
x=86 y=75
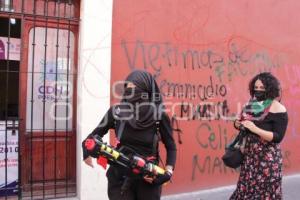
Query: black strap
x=238 y=139
x=156 y=138
x=156 y=142
x=120 y=130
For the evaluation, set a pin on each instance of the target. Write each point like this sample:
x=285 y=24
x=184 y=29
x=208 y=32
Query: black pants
x=135 y=189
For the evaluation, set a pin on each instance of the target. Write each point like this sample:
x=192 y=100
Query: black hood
x=145 y=81
x=151 y=109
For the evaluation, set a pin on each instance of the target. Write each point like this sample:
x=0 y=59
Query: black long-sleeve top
x=276 y=123
x=139 y=140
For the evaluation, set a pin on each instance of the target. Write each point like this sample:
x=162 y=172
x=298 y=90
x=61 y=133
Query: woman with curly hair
x=265 y=120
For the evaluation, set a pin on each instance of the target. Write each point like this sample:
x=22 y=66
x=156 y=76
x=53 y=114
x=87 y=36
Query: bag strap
x=238 y=139
x=120 y=130
x=156 y=138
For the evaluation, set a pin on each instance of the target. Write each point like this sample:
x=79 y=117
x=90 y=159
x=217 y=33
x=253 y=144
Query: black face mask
x=260 y=95
x=133 y=95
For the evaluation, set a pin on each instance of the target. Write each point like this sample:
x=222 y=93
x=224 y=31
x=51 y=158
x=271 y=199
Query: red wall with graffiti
x=203 y=54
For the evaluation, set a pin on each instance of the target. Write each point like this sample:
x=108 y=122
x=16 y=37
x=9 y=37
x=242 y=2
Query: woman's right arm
x=105 y=124
x=237 y=124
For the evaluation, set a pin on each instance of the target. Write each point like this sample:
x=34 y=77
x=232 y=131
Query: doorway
x=38 y=97
x=10 y=36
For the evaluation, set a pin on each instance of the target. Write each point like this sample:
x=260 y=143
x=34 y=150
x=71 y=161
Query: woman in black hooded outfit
x=137 y=121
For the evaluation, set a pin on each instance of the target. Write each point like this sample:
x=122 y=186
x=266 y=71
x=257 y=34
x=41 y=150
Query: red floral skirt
x=260 y=173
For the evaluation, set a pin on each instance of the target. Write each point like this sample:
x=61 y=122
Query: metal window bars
x=39 y=65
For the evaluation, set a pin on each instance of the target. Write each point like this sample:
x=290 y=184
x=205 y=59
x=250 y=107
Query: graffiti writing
x=193 y=91
x=209 y=165
x=205 y=111
x=236 y=61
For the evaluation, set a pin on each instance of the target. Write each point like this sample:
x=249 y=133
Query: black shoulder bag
x=233 y=156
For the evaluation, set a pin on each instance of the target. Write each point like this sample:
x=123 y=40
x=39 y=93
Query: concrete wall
x=93 y=89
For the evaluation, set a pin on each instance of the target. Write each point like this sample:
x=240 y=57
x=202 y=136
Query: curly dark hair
x=270 y=83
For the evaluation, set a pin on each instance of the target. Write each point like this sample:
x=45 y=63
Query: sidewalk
x=290 y=191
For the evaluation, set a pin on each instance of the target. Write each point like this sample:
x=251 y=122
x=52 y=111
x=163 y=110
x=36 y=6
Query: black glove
x=163 y=178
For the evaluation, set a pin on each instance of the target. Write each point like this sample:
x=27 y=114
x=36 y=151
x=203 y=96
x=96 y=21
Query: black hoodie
x=140 y=130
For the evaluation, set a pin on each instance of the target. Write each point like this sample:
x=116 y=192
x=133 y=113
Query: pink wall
x=215 y=47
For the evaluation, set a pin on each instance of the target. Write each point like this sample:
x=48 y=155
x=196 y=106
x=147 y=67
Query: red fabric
x=90 y=144
x=102 y=162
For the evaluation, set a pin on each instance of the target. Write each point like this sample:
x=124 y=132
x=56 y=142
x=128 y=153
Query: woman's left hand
x=148 y=179
x=249 y=125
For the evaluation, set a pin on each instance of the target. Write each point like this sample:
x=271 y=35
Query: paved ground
x=291 y=189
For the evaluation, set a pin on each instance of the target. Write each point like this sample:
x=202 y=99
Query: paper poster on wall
x=8 y=149
x=50 y=81
x=14 y=48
